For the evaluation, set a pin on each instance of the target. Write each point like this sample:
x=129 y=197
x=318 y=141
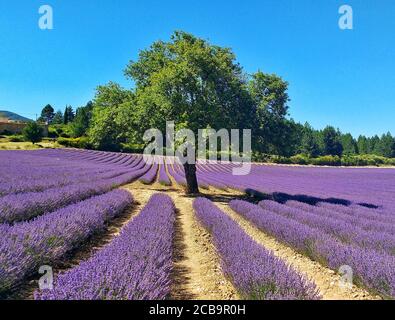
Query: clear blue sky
x=344 y=78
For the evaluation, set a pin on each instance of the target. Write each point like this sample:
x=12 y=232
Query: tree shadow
x=311 y=200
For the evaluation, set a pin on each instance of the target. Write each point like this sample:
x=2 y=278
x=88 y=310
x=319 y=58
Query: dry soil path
x=197 y=273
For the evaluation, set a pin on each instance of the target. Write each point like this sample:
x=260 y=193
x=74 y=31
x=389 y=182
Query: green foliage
x=310 y=141
x=59 y=130
x=365 y=160
x=386 y=146
x=52 y=132
x=111 y=117
x=16 y=138
x=300 y=159
x=190 y=81
x=349 y=144
x=132 y=148
x=80 y=125
x=329 y=160
x=6 y=133
x=68 y=115
x=33 y=132
x=47 y=114
x=331 y=141
x=268 y=93
x=346 y=160
x=58 y=118
x=80 y=143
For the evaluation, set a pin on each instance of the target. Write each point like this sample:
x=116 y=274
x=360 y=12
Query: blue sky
x=343 y=78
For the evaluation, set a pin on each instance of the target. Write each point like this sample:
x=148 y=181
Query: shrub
x=365 y=160
x=390 y=162
x=16 y=139
x=59 y=130
x=300 y=159
x=79 y=143
x=326 y=161
x=53 y=132
x=132 y=148
x=6 y=133
x=33 y=132
x=280 y=160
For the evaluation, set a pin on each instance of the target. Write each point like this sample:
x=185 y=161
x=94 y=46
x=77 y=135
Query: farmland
x=115 y=227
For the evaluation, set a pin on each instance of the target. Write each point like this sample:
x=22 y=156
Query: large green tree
x=270 y=100
x=68 y=115
x=331 y=141
x=310 y=141
x=111 y=116
x=350 y=146
x=386 y=146
x=363 y=145
x=192 y=82
x=58 y=117
x=47 y=114
x=83 y=115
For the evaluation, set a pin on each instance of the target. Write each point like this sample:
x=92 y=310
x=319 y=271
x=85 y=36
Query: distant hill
x=10 y=116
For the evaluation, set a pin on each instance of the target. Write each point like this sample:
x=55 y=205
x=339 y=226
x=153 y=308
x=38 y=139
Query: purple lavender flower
x=255 y=272
x=26 y=246
x=135 y=266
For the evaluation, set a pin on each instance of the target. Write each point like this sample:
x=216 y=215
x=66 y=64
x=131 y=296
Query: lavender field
x=113 y=227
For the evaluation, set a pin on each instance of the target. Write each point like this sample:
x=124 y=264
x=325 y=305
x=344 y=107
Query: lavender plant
x=136 y=265
x=255 y=272
x=26 y=246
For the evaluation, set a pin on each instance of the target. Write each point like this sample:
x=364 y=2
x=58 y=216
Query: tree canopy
x=47 y=114
x=190 y=81
x=200 y=85
x=68 y=115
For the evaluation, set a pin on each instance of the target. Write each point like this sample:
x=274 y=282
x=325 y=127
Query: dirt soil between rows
x=197 y=272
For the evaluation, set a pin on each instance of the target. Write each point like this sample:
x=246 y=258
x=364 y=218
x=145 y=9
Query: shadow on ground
x=284 y=197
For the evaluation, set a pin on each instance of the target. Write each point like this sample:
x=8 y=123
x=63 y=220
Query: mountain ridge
x=11 y=116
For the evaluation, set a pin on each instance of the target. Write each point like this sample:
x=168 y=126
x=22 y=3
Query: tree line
x=330 y=141
x=200 y=85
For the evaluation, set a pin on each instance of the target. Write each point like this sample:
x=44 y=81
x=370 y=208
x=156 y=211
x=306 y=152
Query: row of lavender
x=352 y=230
x=367 y=247
x=369 y=187
x=98 y=173
x=33 y=171
x=70 y=167
x=255 y=272
x=136 y=265
x=372 y=188
x=357 y=188
x=27 y=245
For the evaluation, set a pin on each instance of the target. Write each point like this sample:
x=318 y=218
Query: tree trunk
x=190 y=175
